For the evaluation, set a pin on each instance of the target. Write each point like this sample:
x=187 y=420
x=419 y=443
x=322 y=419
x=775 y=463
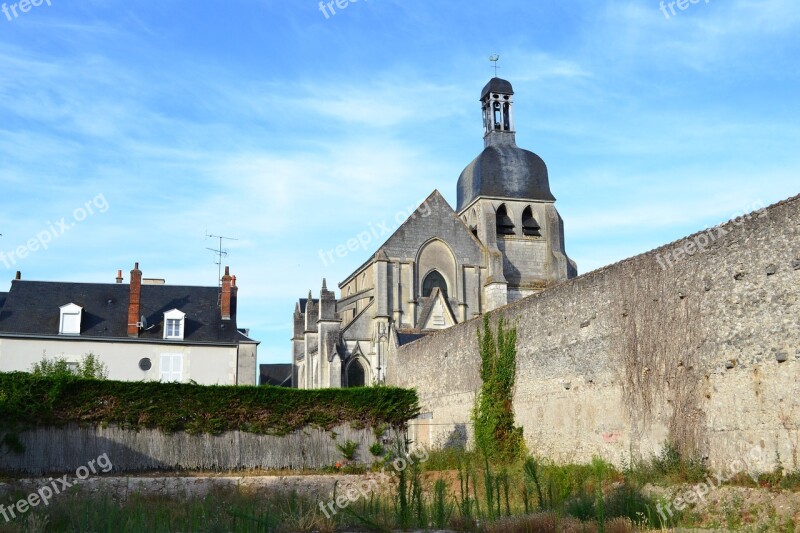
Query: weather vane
x=494 y=58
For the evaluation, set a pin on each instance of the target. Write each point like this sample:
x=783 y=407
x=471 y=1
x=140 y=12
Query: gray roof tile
x=32 y=308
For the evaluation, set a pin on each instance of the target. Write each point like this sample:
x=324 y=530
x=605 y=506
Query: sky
x=129 y=131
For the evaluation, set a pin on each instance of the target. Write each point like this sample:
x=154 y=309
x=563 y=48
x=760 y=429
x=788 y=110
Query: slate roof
x=408 y=338
x=497 y=85
x=276 y=375
x=304 y=303
x=3 y=296
x=504 y=171
x=32 y=308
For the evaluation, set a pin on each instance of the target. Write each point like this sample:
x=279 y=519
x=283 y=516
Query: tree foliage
x=90 y=367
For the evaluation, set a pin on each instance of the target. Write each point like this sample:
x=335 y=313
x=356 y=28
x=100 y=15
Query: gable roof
x=277 y=375
x=32 y=308
x=407 y=338
x=304 y=303
x=428 y=307
x=434 y=218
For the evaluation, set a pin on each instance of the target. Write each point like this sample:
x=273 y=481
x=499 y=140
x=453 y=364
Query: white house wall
x=206 y=365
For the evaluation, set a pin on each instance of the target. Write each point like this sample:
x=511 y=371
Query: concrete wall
x=207 y=365
x=697 y=342
x=246 y=373
x=63 y=450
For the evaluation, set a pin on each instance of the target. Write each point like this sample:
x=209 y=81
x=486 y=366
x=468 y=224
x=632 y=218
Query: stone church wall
x=696 y=343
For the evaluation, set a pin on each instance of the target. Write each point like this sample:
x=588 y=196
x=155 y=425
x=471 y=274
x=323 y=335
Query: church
x=443 y=266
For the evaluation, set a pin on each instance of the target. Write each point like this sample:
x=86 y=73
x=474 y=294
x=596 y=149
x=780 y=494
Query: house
x=143 y=330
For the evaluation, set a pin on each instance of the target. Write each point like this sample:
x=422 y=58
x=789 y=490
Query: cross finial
x=494 y=58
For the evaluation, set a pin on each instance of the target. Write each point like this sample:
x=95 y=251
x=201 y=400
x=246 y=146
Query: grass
x=454 y=490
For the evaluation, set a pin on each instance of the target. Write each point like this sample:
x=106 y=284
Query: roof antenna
x=494 y=58
x=220 y=253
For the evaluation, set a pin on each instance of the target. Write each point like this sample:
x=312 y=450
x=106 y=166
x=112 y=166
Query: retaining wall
x=63 y=450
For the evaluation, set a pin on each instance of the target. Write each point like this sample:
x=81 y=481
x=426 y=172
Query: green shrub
x=377 y=449
x=348 y=449
x=30 y=400
x=90 y=367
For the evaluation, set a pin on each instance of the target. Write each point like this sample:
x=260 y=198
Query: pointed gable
x=434 y=219
x=436 y=313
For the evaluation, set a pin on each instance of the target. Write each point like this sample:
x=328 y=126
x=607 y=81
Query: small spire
x=324 y=284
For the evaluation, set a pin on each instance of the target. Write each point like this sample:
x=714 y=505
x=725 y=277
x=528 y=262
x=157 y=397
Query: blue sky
x=267 y=121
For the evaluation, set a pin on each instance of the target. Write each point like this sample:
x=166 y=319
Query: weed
x=348 y=449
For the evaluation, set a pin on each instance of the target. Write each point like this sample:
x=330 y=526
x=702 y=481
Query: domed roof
x=497 y=85
x=505 y=171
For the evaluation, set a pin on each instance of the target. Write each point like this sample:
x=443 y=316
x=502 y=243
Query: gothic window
x=504 y=224
x=432 y=280
x=530 y=228
x=356 y=377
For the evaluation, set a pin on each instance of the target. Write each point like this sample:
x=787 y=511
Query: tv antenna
x=220 y=252
x=494 y=58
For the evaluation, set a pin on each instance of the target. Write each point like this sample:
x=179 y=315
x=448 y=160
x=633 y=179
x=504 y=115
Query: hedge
x=28 y=401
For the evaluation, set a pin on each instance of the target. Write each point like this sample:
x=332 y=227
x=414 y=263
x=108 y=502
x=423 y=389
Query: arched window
x=530 y=228
x=355 y=374
x=432 y=280
x=504 y=224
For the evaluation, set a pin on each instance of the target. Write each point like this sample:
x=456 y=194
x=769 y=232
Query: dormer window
x=174 y=324
x=70 y=321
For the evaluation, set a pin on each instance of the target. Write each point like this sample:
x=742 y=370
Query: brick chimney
x=119 y=277
x=225 y=302
x=134 y=305
x=234 y=296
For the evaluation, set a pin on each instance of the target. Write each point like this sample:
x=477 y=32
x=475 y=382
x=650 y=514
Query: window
x=174 y=327
x=530 y=228
x=70 y=322
x=356 y=377
x=174 y=322
x=504 y=224
x=433 y=280
x=171 y=367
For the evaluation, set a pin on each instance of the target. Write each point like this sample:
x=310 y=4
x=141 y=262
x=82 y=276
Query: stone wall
x=63 y=450
x=696 y=343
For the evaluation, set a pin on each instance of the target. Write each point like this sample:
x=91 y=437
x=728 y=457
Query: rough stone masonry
x=704 y=354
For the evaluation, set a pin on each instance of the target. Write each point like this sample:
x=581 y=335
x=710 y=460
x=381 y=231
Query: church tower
x=504 y=198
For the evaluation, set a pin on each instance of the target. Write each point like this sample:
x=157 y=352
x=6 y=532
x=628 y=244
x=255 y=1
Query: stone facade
x=697 y=343
x=442 y=266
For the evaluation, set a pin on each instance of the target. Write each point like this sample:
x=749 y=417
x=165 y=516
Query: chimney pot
x=119 y=276
x=19 y=275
